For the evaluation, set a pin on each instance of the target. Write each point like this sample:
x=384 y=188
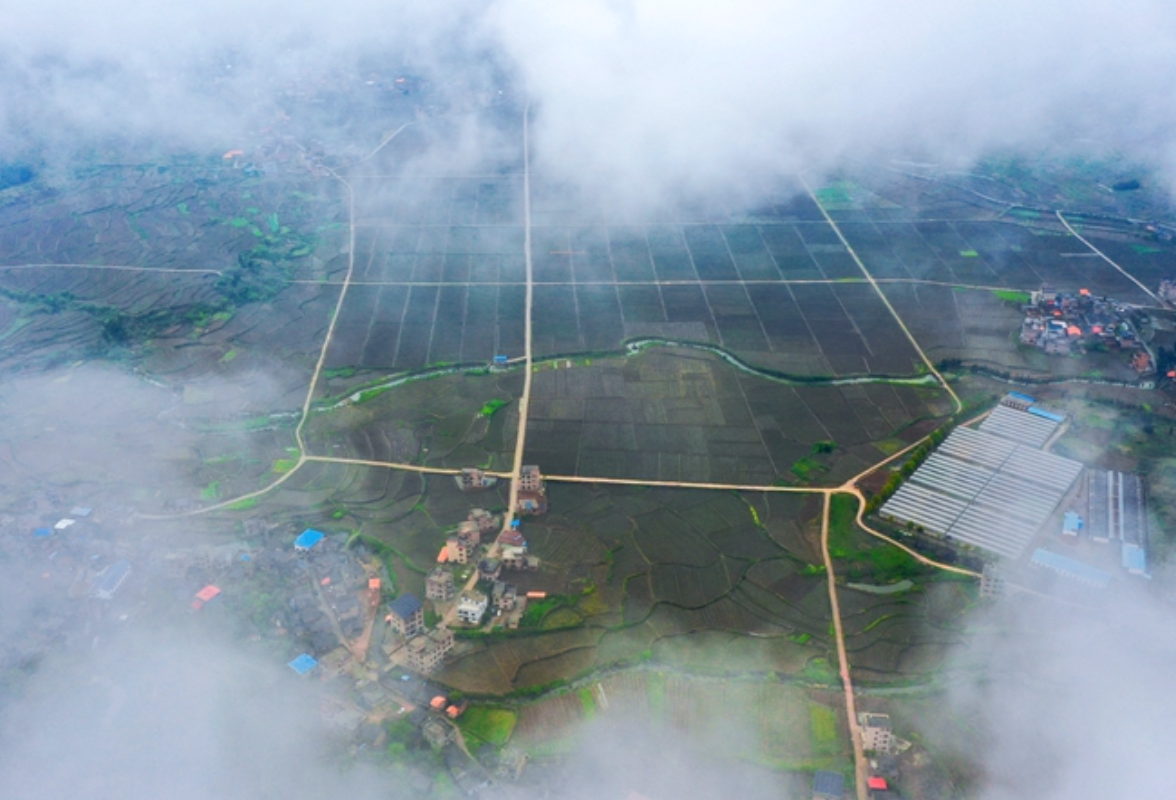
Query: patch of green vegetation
x=818 y=670
x=339 y=372
x=253 y=280
x=890 y=446
x=490 y=724
x=283 y=465
x=800 y=638
x=561 y=618
x=401 y=733
x=836 y=196
x=824 y=446
x=1146 y=250
x=587 y=702
x=806 y=467
x=825 y=738
x=884 y=563
x=1009 y=296
x=875 y=623
x=492 y=406
x=369 y=394
x=183 y=209
x=242 y=505
x=238 y=222
x=969 y=254
x=211 y=491
x=537 y=610
x=229 y=356
x=842 y=515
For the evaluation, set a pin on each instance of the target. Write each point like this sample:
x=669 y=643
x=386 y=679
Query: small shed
x=1134 y=559
x=303 y=664
x=308 y=539
x=208 y=593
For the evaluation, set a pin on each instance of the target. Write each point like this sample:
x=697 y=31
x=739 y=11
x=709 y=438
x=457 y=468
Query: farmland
x=192 y=306
x=677 y=414
x=775 y=734
x=686 y=579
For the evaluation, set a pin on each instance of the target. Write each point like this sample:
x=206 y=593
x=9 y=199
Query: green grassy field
x=490 y=724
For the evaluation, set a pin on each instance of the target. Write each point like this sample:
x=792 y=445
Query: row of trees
x=912 y=463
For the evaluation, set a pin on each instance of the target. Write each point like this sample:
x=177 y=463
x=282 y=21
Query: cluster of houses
x=532 y=494
x=882 y=747
x=467 y=545
x=1061 y=323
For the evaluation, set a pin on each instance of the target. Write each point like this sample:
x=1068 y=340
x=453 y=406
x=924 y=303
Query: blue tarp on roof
x=107 y=583
x=1072 y=521
x=1134 y=558
x=828 y=784
x=1041 y=412
x=308 y=539
x=1024 y=397
x=303 y=664
x=43 y=533
x=405 y=606
x=1070 y=568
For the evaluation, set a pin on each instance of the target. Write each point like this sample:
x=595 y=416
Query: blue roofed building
x=110 y=579
x=406 y=615
x=828 y=785
x=1017 y=400
x=1134 y=559
x=308 y=539
x=303 y=664
x=1038 y=411
x=1069 y=568
x=1072 y=524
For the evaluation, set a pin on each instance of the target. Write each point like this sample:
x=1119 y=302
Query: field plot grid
x=677 y=414
x=438 y=278
x=985 y=490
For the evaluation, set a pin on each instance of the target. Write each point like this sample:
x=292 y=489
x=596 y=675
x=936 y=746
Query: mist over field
x=164 y=714
x=636 y=104
x=638 y=108
x=1069 y=701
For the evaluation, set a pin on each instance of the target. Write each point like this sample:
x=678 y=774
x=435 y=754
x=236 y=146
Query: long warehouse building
x=986 y=488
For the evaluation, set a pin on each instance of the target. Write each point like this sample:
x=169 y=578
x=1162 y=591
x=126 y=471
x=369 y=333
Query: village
x=324 y=600
x=1079 y=324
